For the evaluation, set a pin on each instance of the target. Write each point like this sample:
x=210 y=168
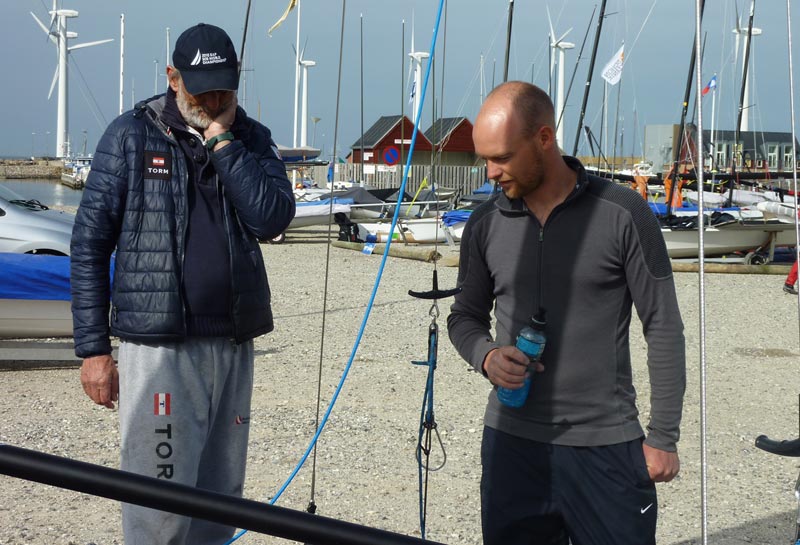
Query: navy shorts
x=542 y=494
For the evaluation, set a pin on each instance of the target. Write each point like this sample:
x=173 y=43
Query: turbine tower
x=560 y=45
x=60 y=36
x=306 y=64
x=416 y=92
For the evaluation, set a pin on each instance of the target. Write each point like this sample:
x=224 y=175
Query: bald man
x=573 y=463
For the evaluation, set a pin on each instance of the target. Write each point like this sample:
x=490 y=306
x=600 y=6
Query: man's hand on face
x=223 y=120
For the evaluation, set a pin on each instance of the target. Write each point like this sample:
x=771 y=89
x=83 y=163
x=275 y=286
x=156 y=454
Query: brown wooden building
x=387 y=143
x=452 y=136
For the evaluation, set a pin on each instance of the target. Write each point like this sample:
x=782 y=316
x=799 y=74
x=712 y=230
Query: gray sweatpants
x=184 y=413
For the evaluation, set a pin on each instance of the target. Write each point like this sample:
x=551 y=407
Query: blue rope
x=376 y=285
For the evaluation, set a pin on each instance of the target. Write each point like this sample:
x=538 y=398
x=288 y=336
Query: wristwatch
x=222 y=137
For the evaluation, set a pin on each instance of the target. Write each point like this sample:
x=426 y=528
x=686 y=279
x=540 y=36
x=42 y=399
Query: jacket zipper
x=226 y=220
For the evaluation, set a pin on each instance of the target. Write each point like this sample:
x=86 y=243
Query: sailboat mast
x=678 y=143
x=589 y=76
x=121 y=62
x=361 y=46
x=508 y=38
x=744 y=77
x=402 y=98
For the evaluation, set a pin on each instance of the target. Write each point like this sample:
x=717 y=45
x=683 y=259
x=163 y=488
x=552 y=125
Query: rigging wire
x=382 y=266
x=794 y=142
x=93 y=106
x=699 y=5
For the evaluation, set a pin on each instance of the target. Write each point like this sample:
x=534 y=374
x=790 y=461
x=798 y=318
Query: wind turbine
x=416 y=57
x=561 y=46
x=739 y=31
x=306 y=64
x=59 y=36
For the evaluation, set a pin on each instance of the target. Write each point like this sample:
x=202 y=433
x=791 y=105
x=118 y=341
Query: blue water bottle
x=530 y=341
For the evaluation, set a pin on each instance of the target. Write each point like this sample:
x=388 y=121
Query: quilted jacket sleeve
x=255 y=180
x=94 y=237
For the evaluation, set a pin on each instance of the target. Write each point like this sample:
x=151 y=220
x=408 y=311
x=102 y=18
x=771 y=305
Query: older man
x=572 y=463
x=182 y=187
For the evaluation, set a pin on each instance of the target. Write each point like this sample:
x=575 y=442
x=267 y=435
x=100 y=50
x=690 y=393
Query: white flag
x=290 y=7
x=613 y=70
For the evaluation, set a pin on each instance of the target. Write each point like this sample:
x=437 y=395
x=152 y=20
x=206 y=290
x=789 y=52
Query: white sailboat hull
x=316 y=214
x=727 y=239
x=415 y=231
x=25 y=318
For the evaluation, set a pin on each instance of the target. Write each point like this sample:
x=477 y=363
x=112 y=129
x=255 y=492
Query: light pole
x=33 y=145
x=46 y=145
x=314 y=134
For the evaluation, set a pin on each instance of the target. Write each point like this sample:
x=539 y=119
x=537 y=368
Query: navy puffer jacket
x=143 y=216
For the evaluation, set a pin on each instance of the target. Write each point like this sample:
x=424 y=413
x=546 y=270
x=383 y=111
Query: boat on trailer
x=34 y=296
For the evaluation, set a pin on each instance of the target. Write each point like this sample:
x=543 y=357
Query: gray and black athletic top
x=600 y=252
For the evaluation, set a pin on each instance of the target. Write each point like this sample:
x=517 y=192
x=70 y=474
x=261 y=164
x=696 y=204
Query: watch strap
x=222 y=137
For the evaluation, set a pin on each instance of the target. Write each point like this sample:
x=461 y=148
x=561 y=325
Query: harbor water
x=47 y=192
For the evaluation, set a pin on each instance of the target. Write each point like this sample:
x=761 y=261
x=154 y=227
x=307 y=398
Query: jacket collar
x=518 y=207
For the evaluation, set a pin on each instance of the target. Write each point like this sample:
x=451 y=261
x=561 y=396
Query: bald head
x=521 y=101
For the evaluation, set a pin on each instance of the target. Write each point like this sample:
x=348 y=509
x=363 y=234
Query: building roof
x=442 y=128
x=749 y=138
x=377 y=132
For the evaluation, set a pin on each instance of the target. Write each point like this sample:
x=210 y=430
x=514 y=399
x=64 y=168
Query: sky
x=657 y=35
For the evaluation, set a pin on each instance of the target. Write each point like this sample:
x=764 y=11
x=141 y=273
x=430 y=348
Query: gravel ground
x=366 y=471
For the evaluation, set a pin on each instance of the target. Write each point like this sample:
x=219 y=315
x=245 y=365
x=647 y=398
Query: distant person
x=182 y=187
x=572 y=463
x=791 y=280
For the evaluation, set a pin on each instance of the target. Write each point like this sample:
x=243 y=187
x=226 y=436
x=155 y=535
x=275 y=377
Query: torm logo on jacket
x=157 y=164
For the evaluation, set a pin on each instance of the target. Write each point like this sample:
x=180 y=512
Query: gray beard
x=193 y=115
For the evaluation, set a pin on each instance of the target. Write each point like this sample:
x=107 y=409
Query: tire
x=755 y=258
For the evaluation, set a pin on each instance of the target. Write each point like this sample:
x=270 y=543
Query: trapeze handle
x=783 y=448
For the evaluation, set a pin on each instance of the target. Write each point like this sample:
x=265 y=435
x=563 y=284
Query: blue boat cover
x=37 y=277
x=452 y=217
x=486 y=188
x=660 y=208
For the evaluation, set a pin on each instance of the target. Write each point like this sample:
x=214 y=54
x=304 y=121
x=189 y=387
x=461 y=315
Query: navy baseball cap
x=206 y=58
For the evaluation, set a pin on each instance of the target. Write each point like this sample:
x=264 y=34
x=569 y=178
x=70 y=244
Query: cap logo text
x=207 y=58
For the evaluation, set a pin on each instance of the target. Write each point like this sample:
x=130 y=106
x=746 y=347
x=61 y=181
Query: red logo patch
x=161 y=404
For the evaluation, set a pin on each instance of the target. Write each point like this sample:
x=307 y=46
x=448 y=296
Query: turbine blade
x=550 y=22
x=43 y=27
x=89 y=44
x=738 y=17
x=53 y=15
x=53 y=84
x=303 y=51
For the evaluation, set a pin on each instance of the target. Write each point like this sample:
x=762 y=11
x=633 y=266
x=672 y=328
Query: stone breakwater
x=40 y=168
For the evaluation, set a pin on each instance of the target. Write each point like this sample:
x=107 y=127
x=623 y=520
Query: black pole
x=191 y=502
x=402 y=101
x=589 y=76
x=574 y=71
x=508 y=37
x=678 y=143
x=363 y=177
x=244 y=37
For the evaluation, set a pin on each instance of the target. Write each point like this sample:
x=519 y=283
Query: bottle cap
x=538 y=321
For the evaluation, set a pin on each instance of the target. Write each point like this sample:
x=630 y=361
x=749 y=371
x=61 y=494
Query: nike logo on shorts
x=644 y=509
